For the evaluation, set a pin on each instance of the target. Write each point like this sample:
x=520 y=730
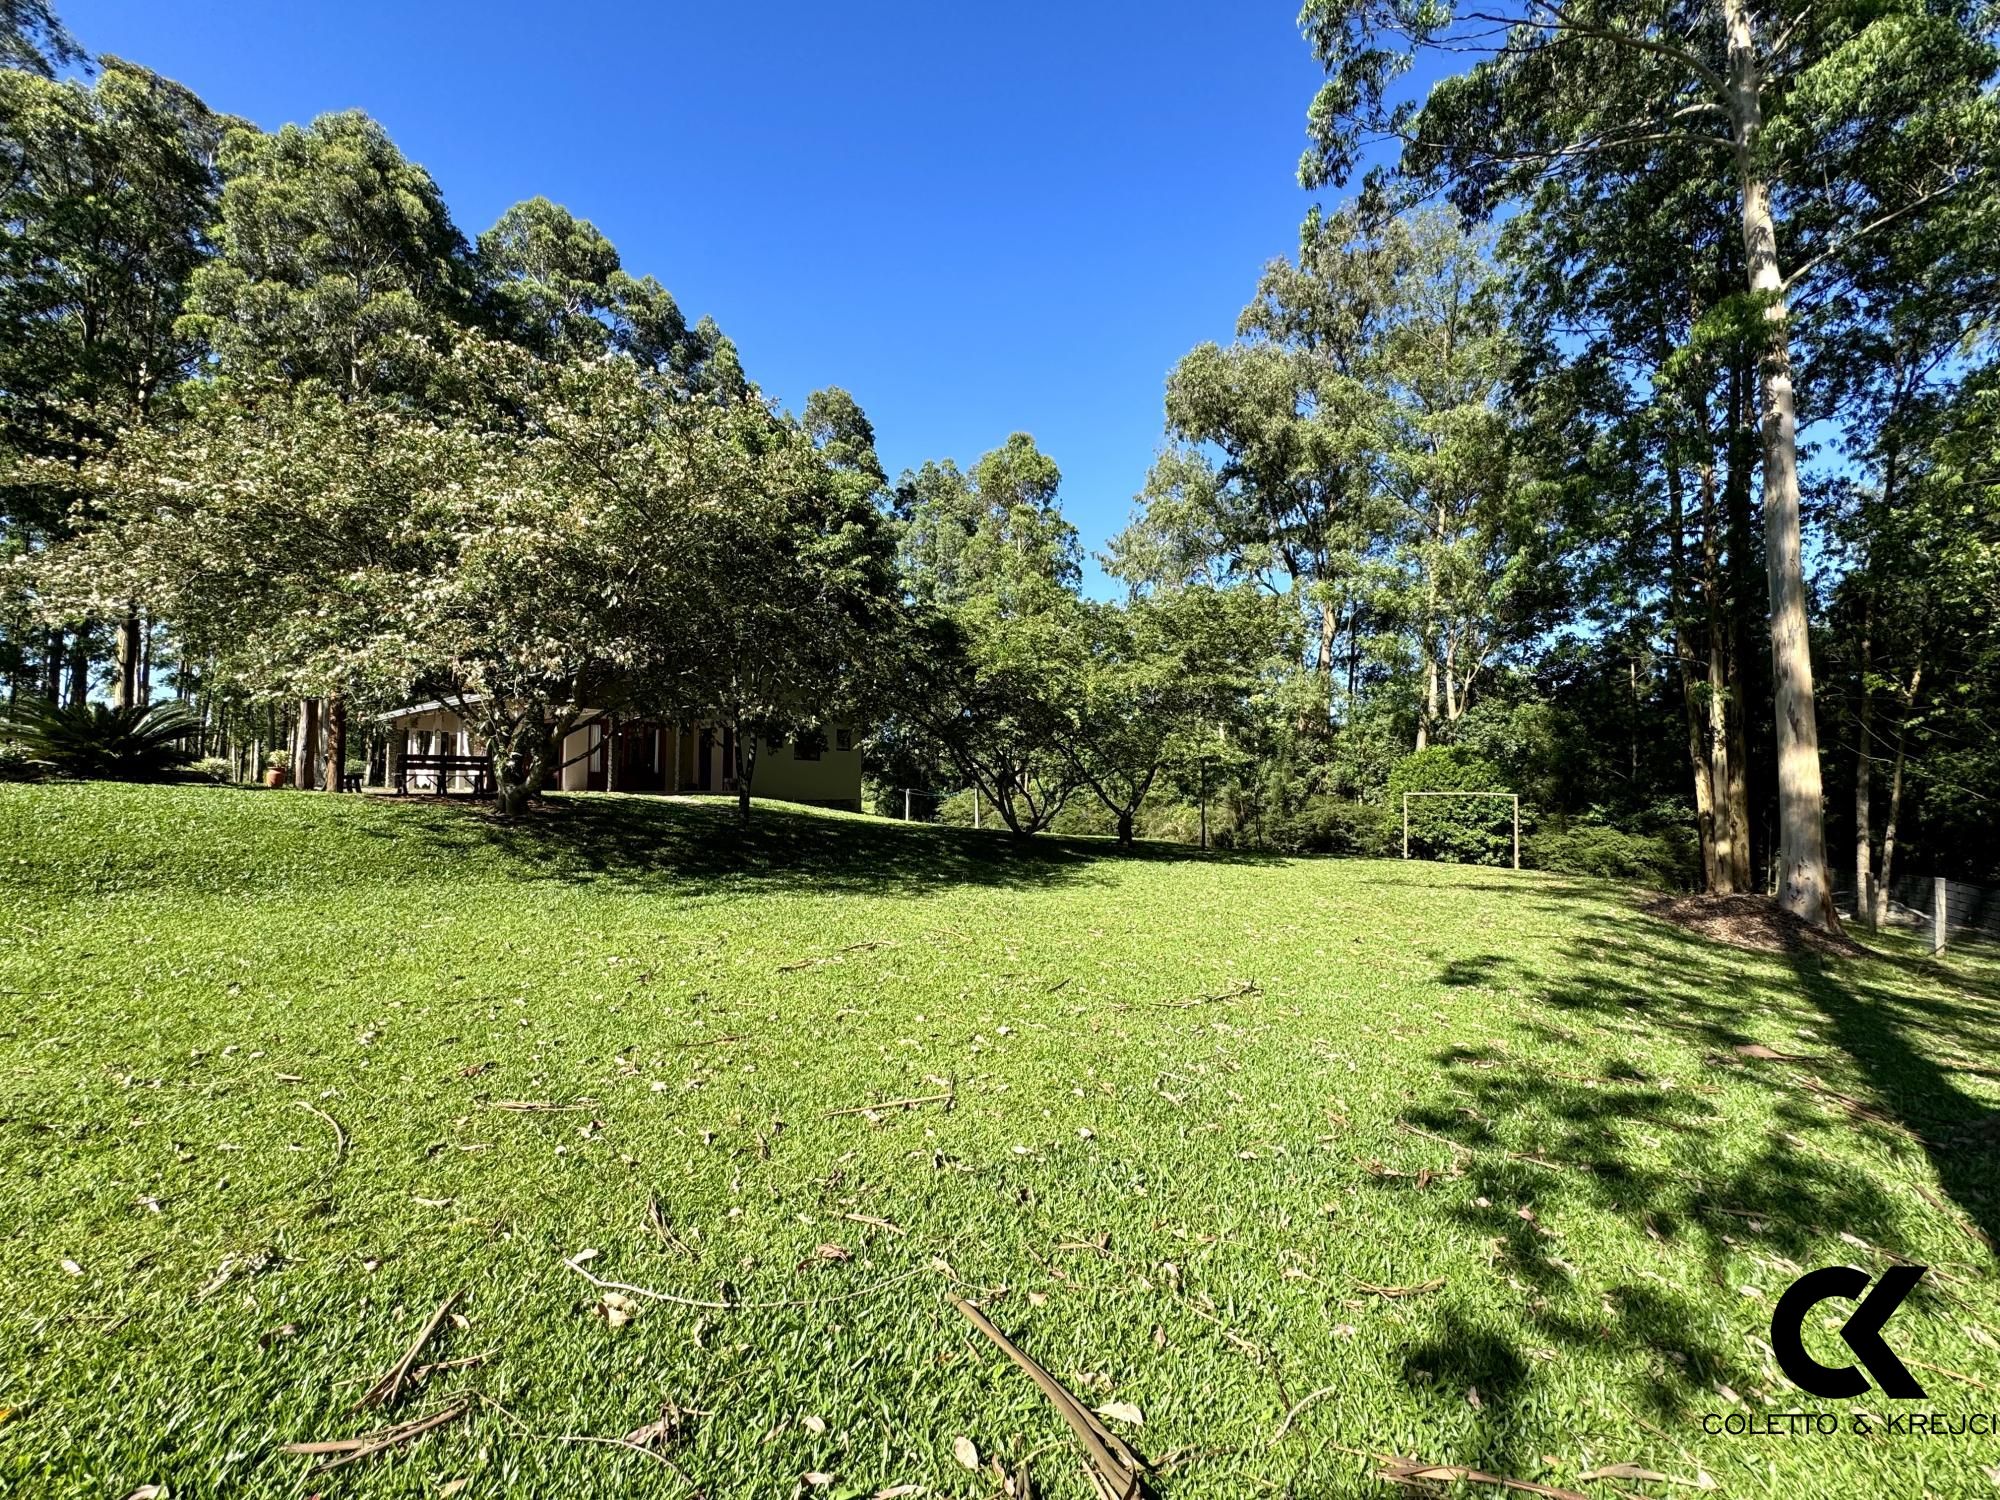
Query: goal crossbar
x=1513 y=797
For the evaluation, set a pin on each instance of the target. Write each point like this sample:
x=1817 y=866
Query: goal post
x=1513 y=797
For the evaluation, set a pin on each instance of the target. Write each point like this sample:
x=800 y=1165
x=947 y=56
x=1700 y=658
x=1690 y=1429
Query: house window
x=843 y=739
x=806 y=747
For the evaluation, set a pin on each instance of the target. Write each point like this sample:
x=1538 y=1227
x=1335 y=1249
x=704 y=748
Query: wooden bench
x=442 y=770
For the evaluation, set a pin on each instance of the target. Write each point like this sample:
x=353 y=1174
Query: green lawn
x=1517 y=1091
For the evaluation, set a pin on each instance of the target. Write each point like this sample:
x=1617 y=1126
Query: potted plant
x=277 y=768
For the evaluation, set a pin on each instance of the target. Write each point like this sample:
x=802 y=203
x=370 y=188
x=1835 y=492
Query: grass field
x=1457 y=1164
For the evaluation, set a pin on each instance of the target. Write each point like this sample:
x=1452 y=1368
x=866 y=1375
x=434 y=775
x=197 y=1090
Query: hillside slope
x=1461 y=1163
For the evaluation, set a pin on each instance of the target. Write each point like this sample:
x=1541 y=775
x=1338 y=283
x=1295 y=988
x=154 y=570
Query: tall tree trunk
x=1697 y=736
x=52 y=666
x=1909 y=697
x=1427 y=712
x=1864 y=831
x=79 y=669
x=308 y=745
x=1880 y=911
x=746 y=767
x=1738 y=589
x=1804 y=888
x=336 y=739
x=125 y=692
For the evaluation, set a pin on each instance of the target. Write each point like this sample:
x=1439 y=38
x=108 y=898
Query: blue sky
x=978 y=219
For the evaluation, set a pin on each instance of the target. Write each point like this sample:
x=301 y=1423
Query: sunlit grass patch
x=1451 y=1163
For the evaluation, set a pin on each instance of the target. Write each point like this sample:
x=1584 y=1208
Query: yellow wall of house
x=834 y=777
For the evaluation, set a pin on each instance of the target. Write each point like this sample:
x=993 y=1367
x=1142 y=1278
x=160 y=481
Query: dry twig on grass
x=1247 y=987
x=945 y=1099
x=340 y=1451
x=538 y=1106
x=1113 y=1468
x=1392 y=1292
x=767 y=1303
x=339 y=1135
x=385 y=1391
x=656 y=1221
x=1412 y=1472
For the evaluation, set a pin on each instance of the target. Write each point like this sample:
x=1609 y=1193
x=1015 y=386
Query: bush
x=212 y=768
x=1664 y=859
x=16 y=764
x=1458 y=830
x=92 y=740
x=1328 y=825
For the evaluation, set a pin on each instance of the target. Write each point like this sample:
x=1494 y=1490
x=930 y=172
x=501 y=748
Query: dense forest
x=1626 y=437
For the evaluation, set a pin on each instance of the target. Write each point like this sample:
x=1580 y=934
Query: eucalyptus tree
x=1641 y=351
x=338 y=269
x=1356 y=452
x=106 y=189
x=1299 y=430
x=337 y=263
x=1799 y=104
x=554 y=284
x=33 y=38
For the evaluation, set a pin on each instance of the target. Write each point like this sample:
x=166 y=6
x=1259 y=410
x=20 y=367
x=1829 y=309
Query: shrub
x=92 y=740
x=1458 y=830
x=1328 y=825
x=212 y=768
x=1663 y=859
x=16 y=764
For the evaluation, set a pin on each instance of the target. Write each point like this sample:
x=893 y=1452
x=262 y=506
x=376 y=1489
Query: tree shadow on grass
x=696 y=843
x=1700 y=1175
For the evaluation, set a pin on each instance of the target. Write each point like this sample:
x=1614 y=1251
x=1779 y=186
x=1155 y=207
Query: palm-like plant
x=93 y=740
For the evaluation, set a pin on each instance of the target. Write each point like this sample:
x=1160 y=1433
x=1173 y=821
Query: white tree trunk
x=1804 y=888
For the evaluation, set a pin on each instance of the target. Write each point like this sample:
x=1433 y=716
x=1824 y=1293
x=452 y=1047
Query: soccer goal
x=1513 y=797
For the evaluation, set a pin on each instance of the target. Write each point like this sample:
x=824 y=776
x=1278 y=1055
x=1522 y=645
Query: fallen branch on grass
x=869 y=1109
x=350 y=1450
x=1114 y=1468
x=657 y=1222
x=713 y=1306
x=873 y=1222
x=1392 y=1292
x=1298 y=1406
x=538 y=1106
x=339 y=1135
x=1410 y=1472
x=1247 y=987
x=385 y=1391
x=611 y=1442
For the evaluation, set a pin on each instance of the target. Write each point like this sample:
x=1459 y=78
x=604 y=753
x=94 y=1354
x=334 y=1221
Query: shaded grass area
x=1201 y=1107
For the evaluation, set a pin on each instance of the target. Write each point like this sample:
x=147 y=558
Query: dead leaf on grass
x=966 y=1452
x=616 y=1309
